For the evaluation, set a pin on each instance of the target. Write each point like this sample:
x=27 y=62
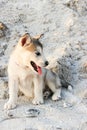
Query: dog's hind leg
x=54 y=84
x=13 y=93
x=56 y=91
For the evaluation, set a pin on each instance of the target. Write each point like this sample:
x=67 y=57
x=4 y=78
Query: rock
x=3 y=67
x=1 y=52
x=83 y=126
x=3 y=29
x=78 y=6
x=32 y=113
x=3 y=26
x=3 y=88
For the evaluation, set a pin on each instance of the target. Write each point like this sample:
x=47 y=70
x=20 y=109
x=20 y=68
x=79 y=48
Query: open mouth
x=36 y=68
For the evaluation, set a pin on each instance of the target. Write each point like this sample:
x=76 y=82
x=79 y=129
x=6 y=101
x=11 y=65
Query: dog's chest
x=25 y=75
x=26 y=83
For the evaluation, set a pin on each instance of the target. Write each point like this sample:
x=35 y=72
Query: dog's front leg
x=38 y=91
x=13 y=94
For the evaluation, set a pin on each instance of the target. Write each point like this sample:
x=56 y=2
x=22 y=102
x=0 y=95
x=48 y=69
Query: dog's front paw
x=9 y=105
x=37 y=101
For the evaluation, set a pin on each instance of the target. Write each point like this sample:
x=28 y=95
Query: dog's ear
x=25 y=39
x=38 y=36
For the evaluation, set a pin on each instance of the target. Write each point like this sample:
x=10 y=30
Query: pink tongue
x=39 y=70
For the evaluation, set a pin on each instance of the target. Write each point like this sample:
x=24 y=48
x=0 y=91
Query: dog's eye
x=38 y=53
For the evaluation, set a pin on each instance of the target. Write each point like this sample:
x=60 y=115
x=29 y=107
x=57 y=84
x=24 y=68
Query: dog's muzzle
x=36 y=67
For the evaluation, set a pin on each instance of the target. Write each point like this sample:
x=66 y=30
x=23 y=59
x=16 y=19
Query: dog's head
x=32 y=53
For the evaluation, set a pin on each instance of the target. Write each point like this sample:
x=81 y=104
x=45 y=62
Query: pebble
x=32 y=113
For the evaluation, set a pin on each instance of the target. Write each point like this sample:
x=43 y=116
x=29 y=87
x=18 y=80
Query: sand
x=64 y=24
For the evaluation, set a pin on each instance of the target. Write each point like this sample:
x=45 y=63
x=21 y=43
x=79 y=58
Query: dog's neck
x=21 y=65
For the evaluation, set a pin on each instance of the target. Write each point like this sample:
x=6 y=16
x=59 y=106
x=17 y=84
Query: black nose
x=46 y=63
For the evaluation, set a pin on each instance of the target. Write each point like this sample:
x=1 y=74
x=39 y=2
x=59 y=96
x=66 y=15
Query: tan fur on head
x=30 y=43
x=26 y=42
x=31 y=47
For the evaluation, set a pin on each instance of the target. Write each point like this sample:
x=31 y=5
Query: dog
x=27 y=72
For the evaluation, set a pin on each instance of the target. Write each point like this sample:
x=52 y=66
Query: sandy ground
x=64 y=28
x=49 y=116
x=59 y=115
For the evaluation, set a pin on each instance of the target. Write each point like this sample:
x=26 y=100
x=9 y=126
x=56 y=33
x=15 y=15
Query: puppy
x=27 y=72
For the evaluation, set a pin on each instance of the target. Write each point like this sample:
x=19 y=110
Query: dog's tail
x=66 y=85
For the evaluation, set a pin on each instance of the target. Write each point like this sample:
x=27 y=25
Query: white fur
x=22 y=76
